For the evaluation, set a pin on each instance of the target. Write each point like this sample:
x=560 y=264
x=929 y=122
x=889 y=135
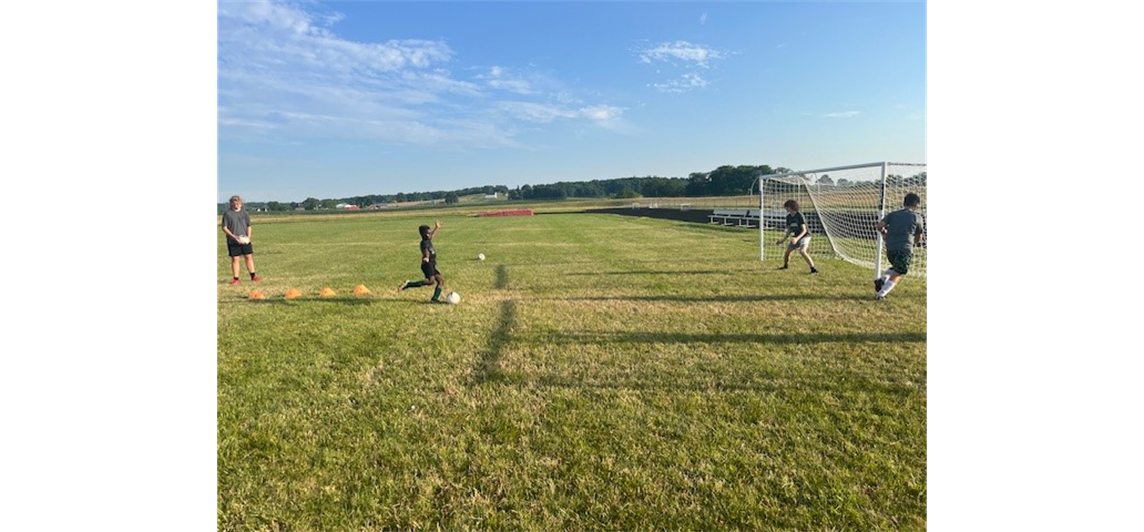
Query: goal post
x=842 y=206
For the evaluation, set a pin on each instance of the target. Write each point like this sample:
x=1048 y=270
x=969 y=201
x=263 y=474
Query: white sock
x=886 y=287
x=886 y=275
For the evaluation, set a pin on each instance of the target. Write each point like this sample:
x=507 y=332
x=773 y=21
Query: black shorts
x=900 y=260
x=429 y=269
x=235 y=249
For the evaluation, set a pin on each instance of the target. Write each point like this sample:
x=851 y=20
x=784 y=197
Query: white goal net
x=841 y=206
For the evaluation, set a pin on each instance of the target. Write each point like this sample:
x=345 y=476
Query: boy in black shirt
x=796 y=228
x=428 y=264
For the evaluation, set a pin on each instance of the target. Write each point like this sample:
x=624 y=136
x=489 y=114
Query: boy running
x=903 y=229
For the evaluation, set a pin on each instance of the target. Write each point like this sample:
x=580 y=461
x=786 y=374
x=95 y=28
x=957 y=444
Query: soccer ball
x=453 y=298
x=243 y=239
x=480 y=256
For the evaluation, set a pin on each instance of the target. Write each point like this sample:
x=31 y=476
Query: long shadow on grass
x=502 y=277
x=714 y=385
x=725 y=298
x=655 y=272
x=710 y=338
x=488 y=368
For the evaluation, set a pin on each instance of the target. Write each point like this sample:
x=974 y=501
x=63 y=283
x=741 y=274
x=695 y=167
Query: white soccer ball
x=243 y=239
x=480 y=256
x=453 y=298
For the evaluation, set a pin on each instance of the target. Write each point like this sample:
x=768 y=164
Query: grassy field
x=601 y=373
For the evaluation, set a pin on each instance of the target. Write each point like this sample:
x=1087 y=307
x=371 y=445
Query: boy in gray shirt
x=902 y=229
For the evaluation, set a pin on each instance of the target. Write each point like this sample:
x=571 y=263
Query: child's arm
x=433 y=231
x=802 y=231
x=881 y=227
x=783 y=238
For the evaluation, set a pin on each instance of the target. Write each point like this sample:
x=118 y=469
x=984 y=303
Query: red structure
x=517 y=212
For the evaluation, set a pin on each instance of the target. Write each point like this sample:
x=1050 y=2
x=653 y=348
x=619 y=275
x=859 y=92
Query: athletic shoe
x=401 y=288
x=256 y=278
x=234 y=281
x=782 y=267
x=878 y=284
x=879 y=297
x=814 y=271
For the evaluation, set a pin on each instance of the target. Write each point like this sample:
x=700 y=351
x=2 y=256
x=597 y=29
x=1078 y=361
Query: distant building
x=494 y=195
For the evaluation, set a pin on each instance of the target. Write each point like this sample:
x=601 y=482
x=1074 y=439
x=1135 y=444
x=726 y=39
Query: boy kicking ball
x=428 y=264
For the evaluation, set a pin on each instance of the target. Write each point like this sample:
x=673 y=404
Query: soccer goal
x=841 y=206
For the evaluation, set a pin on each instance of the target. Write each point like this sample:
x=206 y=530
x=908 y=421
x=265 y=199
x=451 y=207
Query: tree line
x=725 y=180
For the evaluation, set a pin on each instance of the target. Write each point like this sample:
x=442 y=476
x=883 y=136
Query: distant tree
x=591 y=190
x=844 y=182
x=311 y=203
x=663 y=187
x=697 y=184
x=274 y=206
x=825 y=180
x=555 y=191
x=452 y=198
x=329 y=204
x=731 y=180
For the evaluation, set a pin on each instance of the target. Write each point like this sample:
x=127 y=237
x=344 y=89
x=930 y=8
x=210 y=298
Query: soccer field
x=601 y=373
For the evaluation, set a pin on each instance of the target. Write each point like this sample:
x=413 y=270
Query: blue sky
x=340 y=99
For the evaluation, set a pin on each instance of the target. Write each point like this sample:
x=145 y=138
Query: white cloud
x=499 y=78
x=686 y=83
x=703 y=18
x=543 y=113
x=284 y=73
x=844 y=114
x=680 y=51
x=678 y=59
x=601 y=112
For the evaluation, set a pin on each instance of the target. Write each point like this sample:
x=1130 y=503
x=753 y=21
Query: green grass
x=601 y=373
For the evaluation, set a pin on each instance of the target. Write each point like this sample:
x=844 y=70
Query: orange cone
x=327 y=292
x=257 y=294
x=292 y=293
x=360 y=290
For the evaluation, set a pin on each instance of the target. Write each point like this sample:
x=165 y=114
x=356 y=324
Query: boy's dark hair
x=791 y=204
x=424 y=231
x=911 y=200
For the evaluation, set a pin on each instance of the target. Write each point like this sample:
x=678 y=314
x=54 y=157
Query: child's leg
x=414 y=284
x=889 y=284
x=250 y=266
x=440 y=285
x=899 y=266
x=806 y=257
x=234 y=265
